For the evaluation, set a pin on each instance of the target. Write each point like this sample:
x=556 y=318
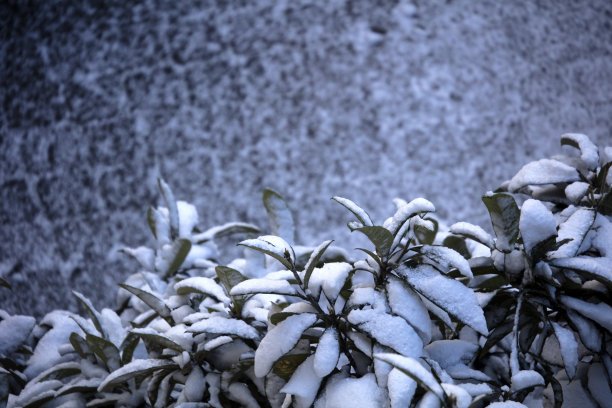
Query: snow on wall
x=366 y=100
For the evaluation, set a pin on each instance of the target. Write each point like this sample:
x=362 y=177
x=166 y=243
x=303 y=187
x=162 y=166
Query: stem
x=514 y=361
x=345 y=349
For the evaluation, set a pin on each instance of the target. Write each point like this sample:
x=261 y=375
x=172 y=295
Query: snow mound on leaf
x=357 y=392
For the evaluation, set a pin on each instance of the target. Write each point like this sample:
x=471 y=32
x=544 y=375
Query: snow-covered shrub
x=427 y=318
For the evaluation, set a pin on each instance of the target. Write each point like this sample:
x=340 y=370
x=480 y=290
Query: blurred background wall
x=370 y=100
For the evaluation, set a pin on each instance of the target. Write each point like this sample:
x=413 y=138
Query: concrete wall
x=369 y=100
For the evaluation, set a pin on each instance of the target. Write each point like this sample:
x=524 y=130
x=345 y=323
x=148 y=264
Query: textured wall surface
x=369 y=100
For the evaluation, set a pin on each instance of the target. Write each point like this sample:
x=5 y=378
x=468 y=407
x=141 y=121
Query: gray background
x=368 y=100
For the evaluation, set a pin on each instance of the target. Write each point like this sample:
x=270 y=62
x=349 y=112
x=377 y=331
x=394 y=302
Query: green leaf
x=80 y=346
x=137 y=368
x=150 y=335
x=168 y=197
x=505 y=217
x=180 y=250
x=281 y=221
x=151 y=221
x=357 y=211
x=225 y=230
x=458 y=244
x=93 y=313
x=314 y=260
x=84 y=386
x=127 y=348
x=104 y=349
x=276 y=318
x=602 y=176
x=540 y=250
x=287 y=364
x=62 y=370
x=425 y=235
x=380 y=237
x=151 y=300
x=5 y=284
x=372 y=255
x=229 y=277
x=605 y=204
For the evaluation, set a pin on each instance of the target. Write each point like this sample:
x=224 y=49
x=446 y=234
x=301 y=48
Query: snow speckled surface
x=366 y=100
x=537 y=223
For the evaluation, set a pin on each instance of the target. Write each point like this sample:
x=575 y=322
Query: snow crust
x=364 y=392
x=330 y=277
x=576 y=190
x=401 y=388
x=574 y=228
x=222 y=325
x=525 y=379
x=537 y=223
x=188 y=218
x=304 y=383
x=545 y=171
x=448 y=258
x=263 y=285
x=13 y=332
x=418 y=205
x=327 y=353
x=407 y=304
x=203 y=285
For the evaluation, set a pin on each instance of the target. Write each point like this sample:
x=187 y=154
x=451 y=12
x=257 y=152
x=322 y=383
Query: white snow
x=576 y=190
x=14 y=331
x=391 y=331
x=599 y=312
x=279 y=215
x=327 y=353
x=280 y=340
x=588 y=151
x=451 y=352
x=188 y=218
x=415 y=369
x=272 y=244
x=537 y=223
x=356 y=392
x=472 y=231
x=599 y=385
x=447 y=258
x=545 y=171
x=202 y=285
x=569 y=348
x=506 y=404
x=449 y=294
x=222 y=325
x=407 y=304
x=217 y=342
x=574 y=228
x=331 y=277
x=589 y=334
x=603 y=241
x=304 y=383
x=37 y=391
x=239 y=392
x=525 y=379
x=144 y=255
x=195 y=385
x=418 y=205
x=112 y=325
x=262 y=285
x=477 y=389
x=46 y=353
x=401 y=388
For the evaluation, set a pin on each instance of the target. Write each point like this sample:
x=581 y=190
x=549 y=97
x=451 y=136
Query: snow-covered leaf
x=415 y=370
x=159 y=225
x=446 y=258
x=600 y=313
x=357 y=211
x=380 y=237
x=407 y=304
x=274 y=246
x=461 y=398
x=203 y=285
x=599 y=384
x=4 y=283
x=150 y=299
x=388 y=330
x=545 y=171
x=222 y=325
x=331 y=278
x=229 y=277
x=281 y=221
x=173 y=213
x=569 y=348
x=593 y=268
x=314 y=260
x=304 y=383
x=450 y=295
x=526 y=379
x=91 y=310
x=280 y=340
x=588 y=151
x=537 y=224
x=505 y=216
x=162 y=340
x=327 y=353
x=405 y=212
x=361 y=392
x=451 y=352
x=137 y=368
x=173 y=257
x=575 y=228
x=472 y=231
x=224 y=230
x=144 y=255
x=401 y=388
x=589 y=334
